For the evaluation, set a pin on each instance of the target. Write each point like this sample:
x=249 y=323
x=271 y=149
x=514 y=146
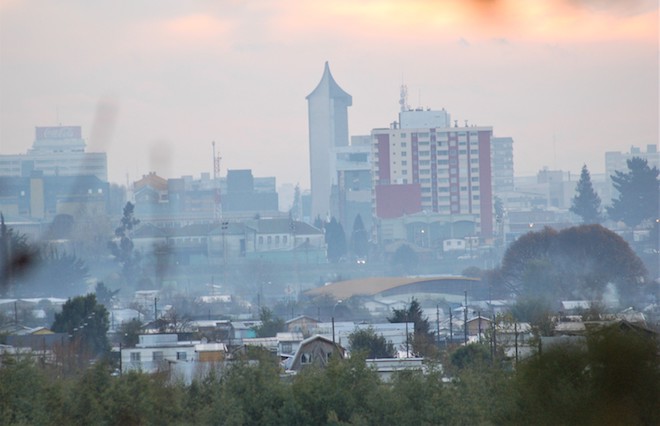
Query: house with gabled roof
x=314 y=351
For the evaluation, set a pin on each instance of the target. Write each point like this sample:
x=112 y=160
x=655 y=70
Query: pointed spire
x=330 y=88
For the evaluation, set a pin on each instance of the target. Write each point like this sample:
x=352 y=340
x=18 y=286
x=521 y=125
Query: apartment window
x=403 y=172
x=261 y=241
x=474 y=179
x=474 y=160
x=474 y=151
x=443 y=152
x=403 y=135
x=443 y=162
x=475 y=188
x=404 y=163
x=277 y=240
x=443 y=189
x=475 y=197
x=403 y=153
x=424 y=153
x=181 y=356
x=284 y=239
x=463 y=188
x=474 y=169
x=269 y=240
x=462 y=152
x=424 y=162
x=157 y=356
x=135 y=356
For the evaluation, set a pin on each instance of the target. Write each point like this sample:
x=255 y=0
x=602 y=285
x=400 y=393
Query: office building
x=328 y=129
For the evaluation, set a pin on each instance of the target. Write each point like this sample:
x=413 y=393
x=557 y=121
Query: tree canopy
x=86 y=321
x=639 y=191
x=575 y=262
x=372 y=345
x=586 y=203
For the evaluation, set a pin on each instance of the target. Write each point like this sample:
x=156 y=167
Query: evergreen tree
x=335 y=238
x=86 y=321
x=423 y=338
x=359 y=238
x=586 y=203
x=638 y=193
x=122 y=246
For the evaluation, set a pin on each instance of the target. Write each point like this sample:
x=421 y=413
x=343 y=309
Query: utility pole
x=155 y=308
x=451 y=327
x=437 y=323
x=465 y=324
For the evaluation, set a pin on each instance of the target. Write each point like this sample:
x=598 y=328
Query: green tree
x=270 y=324
x=129 y=332
x=474 y=354
x=104 y=295
x=372 y=345
x=122 y=246
x=422 y=341
x=335 y=238
x=586 y=203
x=639 y=191
x=575 y=262
x=359 y=238
x=86 y=321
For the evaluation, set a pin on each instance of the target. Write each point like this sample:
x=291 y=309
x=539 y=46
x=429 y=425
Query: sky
x=154 y=83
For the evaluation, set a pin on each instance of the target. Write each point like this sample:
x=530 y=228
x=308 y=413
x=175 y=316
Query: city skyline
x=567 y=81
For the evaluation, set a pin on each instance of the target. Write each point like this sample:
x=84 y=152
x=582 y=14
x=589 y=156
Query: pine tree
x=359 y=238
x=638 y=193
x=586 y=203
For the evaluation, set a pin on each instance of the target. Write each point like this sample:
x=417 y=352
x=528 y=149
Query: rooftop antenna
x=403 y=98
x=216 y=163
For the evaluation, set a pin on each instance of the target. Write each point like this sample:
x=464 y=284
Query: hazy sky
x=154 y=82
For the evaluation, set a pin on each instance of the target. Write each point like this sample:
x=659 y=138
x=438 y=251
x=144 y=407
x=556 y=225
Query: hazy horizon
x=153 y=84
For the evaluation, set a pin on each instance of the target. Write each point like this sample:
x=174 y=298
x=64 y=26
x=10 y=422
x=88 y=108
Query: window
x=475 y=188
x=474 y=179
x=306 y=358
x=269 y=240
x=261 y=241
x=135 y=356
x=284 y=239
x=277 y=240
x=403 y=172
x=404 y=163
x=157 y=356
x=403 y=153
x=474 y=160
x=403 y=135
x=463 y=188
x=475 y=197
x=443 y=152
x=474 y=169
x=474 y=151
x=287 y=348
x=181 y=356
x=462 y=152
x=424 y=153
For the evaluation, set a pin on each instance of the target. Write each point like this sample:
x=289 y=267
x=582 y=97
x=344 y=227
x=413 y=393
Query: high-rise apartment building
x=57 y=151
x=502 y=164
x=328 y=128
x=434 y=168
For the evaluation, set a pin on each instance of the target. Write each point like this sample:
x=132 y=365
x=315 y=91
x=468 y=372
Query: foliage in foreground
x=613 y=379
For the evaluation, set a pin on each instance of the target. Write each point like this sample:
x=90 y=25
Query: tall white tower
x=328 y=128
